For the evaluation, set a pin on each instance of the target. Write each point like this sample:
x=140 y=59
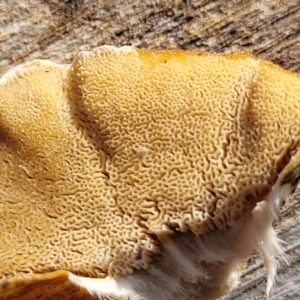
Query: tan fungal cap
x=102 y=159
x=54 y=285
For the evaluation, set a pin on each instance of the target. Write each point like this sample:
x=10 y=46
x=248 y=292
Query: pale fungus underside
x=102 y=161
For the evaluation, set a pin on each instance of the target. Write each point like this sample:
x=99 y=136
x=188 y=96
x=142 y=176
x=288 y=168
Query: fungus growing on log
x=135 y=174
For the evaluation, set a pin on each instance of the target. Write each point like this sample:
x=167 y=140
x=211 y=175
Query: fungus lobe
x=143 y=174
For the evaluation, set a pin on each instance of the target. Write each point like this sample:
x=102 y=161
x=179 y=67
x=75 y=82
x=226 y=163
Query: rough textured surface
x=128 y=146
x=56 y=30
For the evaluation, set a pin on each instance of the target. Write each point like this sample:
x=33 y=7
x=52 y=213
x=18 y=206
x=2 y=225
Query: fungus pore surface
x=102 y=159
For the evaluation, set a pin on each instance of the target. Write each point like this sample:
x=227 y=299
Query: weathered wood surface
x=57 y=30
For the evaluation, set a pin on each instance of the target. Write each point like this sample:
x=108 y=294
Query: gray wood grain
x=57 y=30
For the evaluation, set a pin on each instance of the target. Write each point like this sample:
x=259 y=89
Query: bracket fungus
x=134 y=174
